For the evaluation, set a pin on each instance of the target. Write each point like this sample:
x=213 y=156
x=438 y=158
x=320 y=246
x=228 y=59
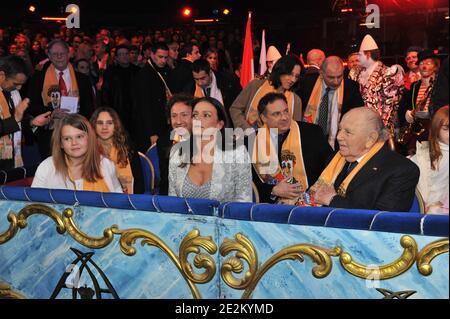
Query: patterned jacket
x=382 y=91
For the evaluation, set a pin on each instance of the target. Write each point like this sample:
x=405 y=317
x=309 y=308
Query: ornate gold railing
x=243 y=248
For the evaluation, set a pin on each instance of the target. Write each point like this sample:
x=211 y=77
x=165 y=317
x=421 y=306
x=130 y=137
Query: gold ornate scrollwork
x=40 y=209
x=319 y=255
x=245 y=250
x=84 y=239
x=394 y=269
x=428 y=253
x=20 y=220
x=128 y=238
x=7 y=293
x=190 y=244
x=12 y=229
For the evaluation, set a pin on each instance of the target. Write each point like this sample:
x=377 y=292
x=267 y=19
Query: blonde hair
x=440 y=118
x=91 y=162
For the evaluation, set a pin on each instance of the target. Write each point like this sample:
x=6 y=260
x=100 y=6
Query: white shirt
x=46 y=177
x=433 y=184
x=334 y=113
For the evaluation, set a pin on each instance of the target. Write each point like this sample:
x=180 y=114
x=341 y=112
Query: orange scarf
x=51 y=84
x=336 y=165
x=252 y=113
x=97 y=186
x=268 y=166
x=312 y=109
x=124 y=173
x=6 y=143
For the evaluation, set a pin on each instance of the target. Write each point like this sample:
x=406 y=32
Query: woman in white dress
x=76 y=162
x=432 y=159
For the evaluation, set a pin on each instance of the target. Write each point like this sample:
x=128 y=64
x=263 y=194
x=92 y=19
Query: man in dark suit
x=182 y=74
x=151 y=93
x=48 y=88
x=214 y=84
x=327 y=96
x=365 y=174
x=314 y=152
x=13 y=124
x=117 y=86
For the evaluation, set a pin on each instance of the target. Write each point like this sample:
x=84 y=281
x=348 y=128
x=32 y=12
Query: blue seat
x=149 y=174
x=418 y=205
x=152 y=155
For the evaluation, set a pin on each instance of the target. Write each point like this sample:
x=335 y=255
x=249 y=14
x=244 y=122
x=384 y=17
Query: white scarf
x=215 y=92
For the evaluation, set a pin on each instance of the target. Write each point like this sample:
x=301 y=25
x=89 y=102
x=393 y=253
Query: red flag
x=247 y=72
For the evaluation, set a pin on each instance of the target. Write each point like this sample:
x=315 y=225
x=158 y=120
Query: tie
x=62 y=84
x=323 y=112
x=208 y=91
x=348 y=167
x=351 y=166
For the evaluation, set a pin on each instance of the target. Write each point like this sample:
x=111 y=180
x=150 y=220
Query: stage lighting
x=32 y=9
x=187 y=12
x=226 y=12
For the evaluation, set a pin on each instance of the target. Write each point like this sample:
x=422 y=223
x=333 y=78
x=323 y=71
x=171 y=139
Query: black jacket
x=316 y=154
x=116 y=92
x=181 y=77
x=441 y=88
x=149 y=108
x=387 y=182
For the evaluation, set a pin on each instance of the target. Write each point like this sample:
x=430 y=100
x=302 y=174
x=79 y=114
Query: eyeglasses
x=426 y=63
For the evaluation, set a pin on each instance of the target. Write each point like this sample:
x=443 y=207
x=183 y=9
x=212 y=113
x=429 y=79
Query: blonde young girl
x=76 y=162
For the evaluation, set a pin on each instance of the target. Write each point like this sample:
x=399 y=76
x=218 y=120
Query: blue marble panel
x=36 y=258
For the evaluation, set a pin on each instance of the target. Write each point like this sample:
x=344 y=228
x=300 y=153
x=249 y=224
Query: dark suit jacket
x=116 y=91
x=387 y=182
x=228 y=86
x=352 y=96
x=181 y=76
x=149 y=108
x=43 y=135
x=316 y=154
x=441 y=88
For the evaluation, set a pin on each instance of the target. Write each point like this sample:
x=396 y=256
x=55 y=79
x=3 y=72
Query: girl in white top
x=76 y=162
x=432 y=159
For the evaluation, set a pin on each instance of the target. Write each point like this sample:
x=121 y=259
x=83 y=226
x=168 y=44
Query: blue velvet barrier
x=411 y=223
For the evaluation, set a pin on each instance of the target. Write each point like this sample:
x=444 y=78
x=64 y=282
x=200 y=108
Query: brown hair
x=91 y=163
x=119 y=136
x=440 y=118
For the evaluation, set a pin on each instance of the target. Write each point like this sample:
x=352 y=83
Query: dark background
x=305 y=24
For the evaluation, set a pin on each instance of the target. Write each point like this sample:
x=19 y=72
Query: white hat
x=368 y=44
x=273 y=54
